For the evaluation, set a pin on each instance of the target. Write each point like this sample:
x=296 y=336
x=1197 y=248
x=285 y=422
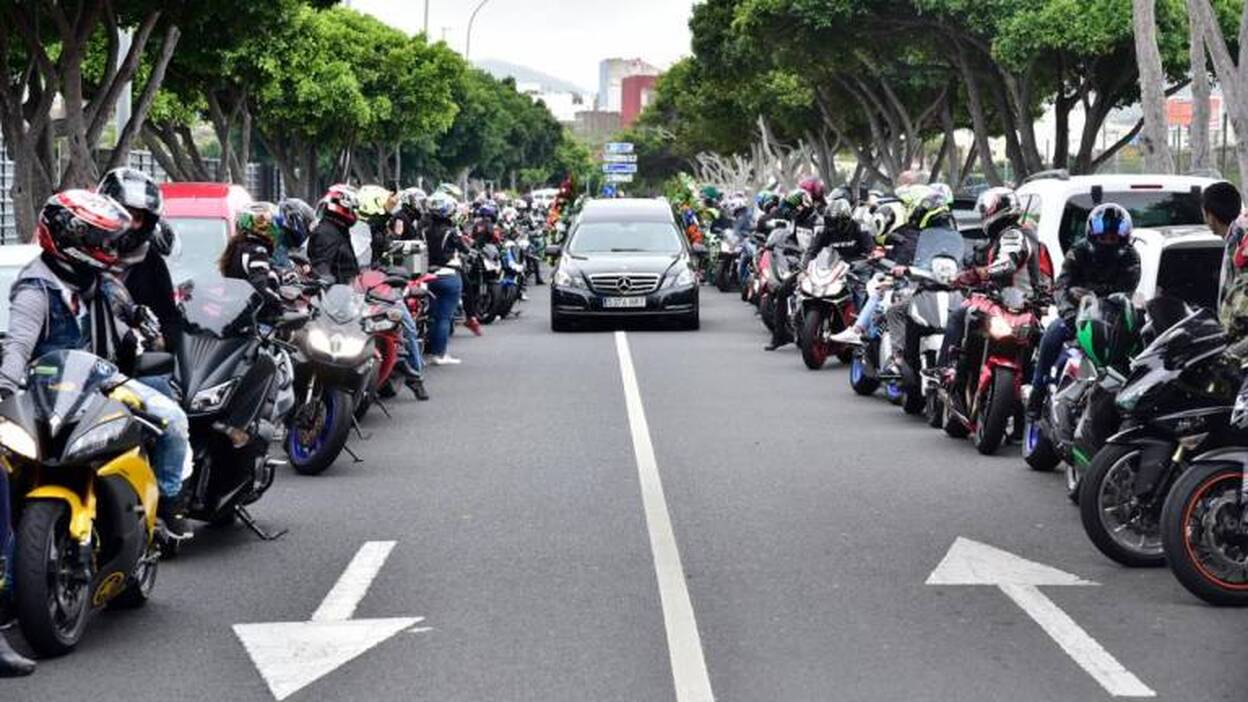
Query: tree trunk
x=161 y=153
x=121 y=153
x=1230 y=78
x=1154 y=138
x=1202 y=154
x=979 y=122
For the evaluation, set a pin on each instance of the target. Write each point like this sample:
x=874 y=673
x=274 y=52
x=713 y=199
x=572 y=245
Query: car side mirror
x=698 y=249
x=554 y=251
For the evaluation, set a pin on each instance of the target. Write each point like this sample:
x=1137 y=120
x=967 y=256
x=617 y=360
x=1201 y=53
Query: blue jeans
x=1055 y=336
x=447 y=289
x=412 y=341
x=866 y=316
x=744 y=258
x=171 y=456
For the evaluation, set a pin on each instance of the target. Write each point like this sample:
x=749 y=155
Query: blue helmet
x=442 y=205
x=1109 y=220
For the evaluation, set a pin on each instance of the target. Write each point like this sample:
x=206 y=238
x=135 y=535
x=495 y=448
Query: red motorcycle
x=1001 y=330
x=382 y=318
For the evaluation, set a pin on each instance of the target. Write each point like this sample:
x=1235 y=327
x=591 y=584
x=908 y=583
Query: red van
x=203 y=216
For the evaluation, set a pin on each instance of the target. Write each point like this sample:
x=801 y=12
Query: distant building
x=562 y=104
x=635 y=93
x=596 y=126
x=611 y=75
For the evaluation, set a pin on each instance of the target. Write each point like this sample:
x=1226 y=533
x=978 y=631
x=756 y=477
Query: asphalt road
x=807 y=521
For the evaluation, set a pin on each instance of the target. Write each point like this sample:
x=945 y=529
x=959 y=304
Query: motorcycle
x=1000 y=333
x=236 y=381
x=485 y=275
x=382 y=295
x=780 y=263
x=937 y=260
x=511 y=278
x=1079 y=414
x=823 y=305
x=867 y=367
x=335 y=365
x=85 y=496
x=727 y=270
x=1176 y=404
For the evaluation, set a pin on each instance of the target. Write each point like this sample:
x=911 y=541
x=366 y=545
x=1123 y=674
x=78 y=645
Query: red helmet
x=82 y=228
x=341 y=203
x=815 y=188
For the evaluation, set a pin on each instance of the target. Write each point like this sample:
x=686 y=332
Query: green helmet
x=1107 y=330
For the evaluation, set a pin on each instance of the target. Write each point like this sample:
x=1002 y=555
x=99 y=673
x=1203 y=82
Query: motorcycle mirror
x=554 y=250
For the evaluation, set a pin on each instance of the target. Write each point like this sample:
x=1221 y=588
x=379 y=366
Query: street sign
x=619 y=177
x=618 y=147
x=293 y=655
x=620 y=158
x=972 y=563
x=619 y=168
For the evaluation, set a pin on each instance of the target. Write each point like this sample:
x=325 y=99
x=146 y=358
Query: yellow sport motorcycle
x=84 y=496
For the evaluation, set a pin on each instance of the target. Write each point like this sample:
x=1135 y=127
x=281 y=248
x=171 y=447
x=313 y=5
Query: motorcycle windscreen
x=938 y=241
x=222 y=307
x=341 y=304
x=62 y=383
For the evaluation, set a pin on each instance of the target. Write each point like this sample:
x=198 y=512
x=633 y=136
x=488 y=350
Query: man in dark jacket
x=1103 y=263
x=329 y=247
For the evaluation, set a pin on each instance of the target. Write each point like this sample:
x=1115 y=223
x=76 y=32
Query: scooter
x=822 y=306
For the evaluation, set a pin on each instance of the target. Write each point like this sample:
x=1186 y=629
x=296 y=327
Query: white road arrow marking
x=292 y=655
x=972 y=563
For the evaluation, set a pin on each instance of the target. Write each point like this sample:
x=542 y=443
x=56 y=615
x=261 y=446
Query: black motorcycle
x=1175 y=404
x=234 y=379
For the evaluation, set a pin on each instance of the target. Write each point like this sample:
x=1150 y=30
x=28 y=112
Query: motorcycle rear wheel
x=487 y=306
x=995 y=412
x=51 y=610
x=1198 y=529
x=1110 y=477
x=767 y=310
x=723 y=275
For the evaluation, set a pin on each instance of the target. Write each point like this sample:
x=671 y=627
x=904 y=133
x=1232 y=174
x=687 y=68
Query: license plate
x=623 y=302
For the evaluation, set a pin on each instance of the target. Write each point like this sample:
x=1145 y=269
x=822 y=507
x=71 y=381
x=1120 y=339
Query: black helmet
x=294 y=218
x=139 y=194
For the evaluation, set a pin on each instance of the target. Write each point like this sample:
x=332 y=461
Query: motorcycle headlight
x=18 y=440
x=98 y=437
x=336 y=345
x=213 y=398
x=998 y=328
x=944 y=270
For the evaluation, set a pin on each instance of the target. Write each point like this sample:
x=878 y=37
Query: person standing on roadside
x=446 y=249
x=1222 y=206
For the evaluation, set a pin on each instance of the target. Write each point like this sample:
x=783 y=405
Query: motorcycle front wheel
x=767 y=310
x=489 y=303
x=50 y=593
x=1203 y=533
x=995 y=412
x=862 y=382
x=810 y=338
x=1038 y=449
x=314 y=444
x=1114 y=517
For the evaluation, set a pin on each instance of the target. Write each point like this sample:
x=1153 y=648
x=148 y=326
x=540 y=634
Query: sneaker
x=12 y=663
x=445 y=360
x=848 y=337
x=417 y=386
x=474 y=326
x=524 y=297
x=171 y=512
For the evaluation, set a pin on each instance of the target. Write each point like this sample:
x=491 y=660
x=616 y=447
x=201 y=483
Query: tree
x=1230 y=72
x=1154 y=139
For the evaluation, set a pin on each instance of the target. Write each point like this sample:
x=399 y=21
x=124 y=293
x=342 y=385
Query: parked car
x=624 y=258
x=1057 y=204
x=12 y=259
x=203 y=216
x=1183 y=262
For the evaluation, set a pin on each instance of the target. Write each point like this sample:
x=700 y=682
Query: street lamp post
x=468 y=40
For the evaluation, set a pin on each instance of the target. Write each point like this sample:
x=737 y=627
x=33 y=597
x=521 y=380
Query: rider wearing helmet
x=1013 y=261
x=249 y=254
x=294 y=223
x=69 y=298
x=804 y=207
x=408 y=220
x=376 y=204
x=446 y=250
x=329 y=247
x=1102 y=263
x=841 y=233
x=144 y=247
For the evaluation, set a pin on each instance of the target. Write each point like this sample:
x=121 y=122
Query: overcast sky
x=565 y=38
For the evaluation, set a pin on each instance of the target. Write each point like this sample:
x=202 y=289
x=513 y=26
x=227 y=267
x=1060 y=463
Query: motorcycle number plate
x=623 y=302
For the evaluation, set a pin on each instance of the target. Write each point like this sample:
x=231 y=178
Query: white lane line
x=684 y=645
x=352 y=585
x=1090 y=655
